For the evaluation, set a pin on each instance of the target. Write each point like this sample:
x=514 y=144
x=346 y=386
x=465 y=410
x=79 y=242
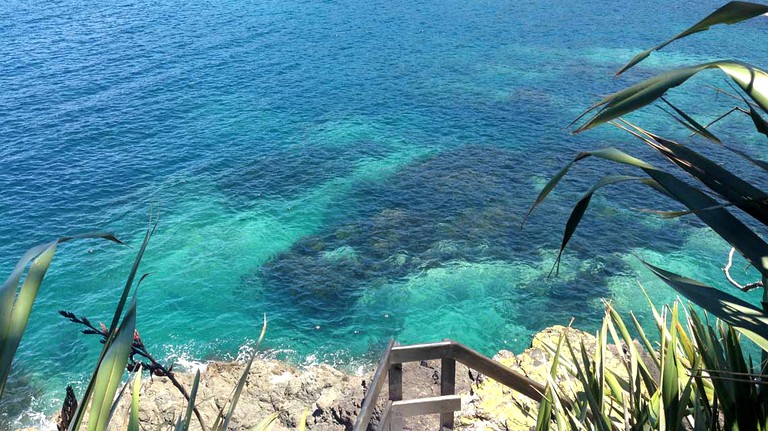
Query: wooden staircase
x=448 y=352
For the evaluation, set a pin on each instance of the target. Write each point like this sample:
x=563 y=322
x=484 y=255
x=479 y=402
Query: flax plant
x=719 y=197
x=16 y=302
x=696 y=377
x=101 y=397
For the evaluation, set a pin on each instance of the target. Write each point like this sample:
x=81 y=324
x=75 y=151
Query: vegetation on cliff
x=698 y=377
x=704 y=379
x=123 y=350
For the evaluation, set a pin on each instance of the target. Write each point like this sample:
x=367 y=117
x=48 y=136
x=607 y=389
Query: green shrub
x=719 y=197
x=119 y=346
x=697 y=378
x=704 y=379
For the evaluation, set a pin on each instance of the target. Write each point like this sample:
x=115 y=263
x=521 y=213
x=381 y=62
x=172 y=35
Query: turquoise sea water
x=356 y=170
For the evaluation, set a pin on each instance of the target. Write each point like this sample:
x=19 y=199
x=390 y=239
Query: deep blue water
x=356 y=170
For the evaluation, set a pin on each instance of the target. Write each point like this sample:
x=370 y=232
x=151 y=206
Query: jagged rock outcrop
x=332 y=398
x=495 y=407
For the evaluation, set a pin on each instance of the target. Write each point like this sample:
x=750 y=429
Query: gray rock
x=332 y=398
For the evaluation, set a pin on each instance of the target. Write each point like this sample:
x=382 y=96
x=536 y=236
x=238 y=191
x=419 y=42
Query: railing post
x=447 y=387
x=396 y=423
x=396 y=382
x=449 y=352
x=377 y=382
x=395 y=393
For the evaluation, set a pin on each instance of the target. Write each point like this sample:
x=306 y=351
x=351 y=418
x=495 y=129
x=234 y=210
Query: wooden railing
x=449 y=352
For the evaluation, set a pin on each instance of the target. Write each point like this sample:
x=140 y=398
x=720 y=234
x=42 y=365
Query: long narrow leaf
x=192 y=398
x=731 y=13
x=132 y=275
x=730 y=228
x=645 y=374
x=243 y=378
x=690 y=123
x=752 y=80
x=79 y=413
x=267 y=423
x=581 y=207
x=723 y=222
x=547 y=404
x=743 y=194
x=133 y=421
x=303 y=420
x=726 y=307
x=110 y=371
x=15 y=308
x=670 y=388
x=760 y=124
x=21 y=309
x=611 y=154
x=116 y=400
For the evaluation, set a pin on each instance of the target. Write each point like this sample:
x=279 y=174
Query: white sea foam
x=34 y=418
x=191 y=365
x=183 y=360
x=40 y=421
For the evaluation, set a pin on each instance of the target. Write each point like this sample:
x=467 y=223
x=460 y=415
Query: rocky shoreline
x=332 y=398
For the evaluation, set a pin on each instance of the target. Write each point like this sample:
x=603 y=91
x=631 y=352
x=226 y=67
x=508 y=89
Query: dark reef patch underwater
x=463 y=206
x=357 y=170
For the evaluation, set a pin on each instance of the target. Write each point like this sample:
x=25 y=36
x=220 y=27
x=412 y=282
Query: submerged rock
x=459 y=207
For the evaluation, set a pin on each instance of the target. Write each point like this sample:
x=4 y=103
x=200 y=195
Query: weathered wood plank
x=447 y=387
x=448 y=352
x=396 y=382
x=495 y=370
x=421 y=352
x=369 y=402
x=386 y=417
x=427 y=406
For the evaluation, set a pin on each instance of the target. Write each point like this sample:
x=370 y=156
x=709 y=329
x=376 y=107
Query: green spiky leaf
x=752 y=80
x=184 y=424
x=267 y=423
x=726 y=307
x=110 y=371
x=79 y=413
x=731 y=13
x=241 y=382
x=133 y=421
x=16 y=303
